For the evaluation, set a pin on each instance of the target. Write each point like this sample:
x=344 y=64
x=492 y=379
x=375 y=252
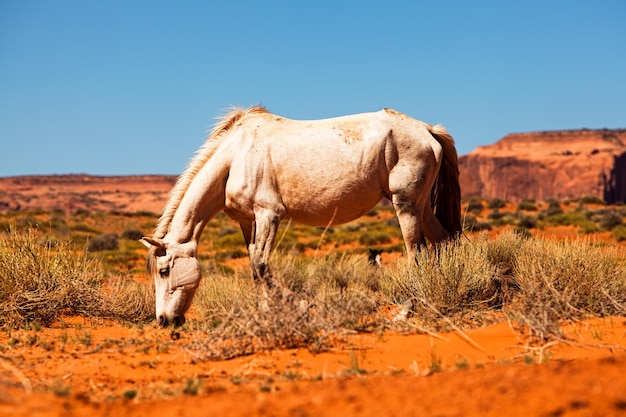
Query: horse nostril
x=179 y=321
x=162 y=321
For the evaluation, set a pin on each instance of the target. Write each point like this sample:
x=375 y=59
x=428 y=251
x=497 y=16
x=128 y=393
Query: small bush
x=620 y=233
x=475 y=205
x=453 y=279
x=496 y=203
x=527 y=205
x=498 y=218
x=527 y=222
x=376 y=238
x=132 y=234
x=38 y=282
x=572 y=218
x=608 y=219
x=311 y=298
x=106 y=241
x=565 y=281
x=42 y=280
x=472 y=224
x=591 y=199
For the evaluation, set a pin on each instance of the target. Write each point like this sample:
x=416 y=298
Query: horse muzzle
x=164 y=321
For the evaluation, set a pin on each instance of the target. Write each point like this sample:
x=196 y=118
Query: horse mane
x=202 y=155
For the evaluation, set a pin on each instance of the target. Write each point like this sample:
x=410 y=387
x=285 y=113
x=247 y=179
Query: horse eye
x=164 y=272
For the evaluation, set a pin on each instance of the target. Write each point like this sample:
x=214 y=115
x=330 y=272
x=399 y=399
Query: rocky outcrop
x=74 y=193
x=542 y=165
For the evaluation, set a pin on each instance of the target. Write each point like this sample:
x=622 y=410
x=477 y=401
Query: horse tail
x=446 y=192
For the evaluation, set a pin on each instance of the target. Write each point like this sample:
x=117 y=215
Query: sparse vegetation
x=538 y=283
x=42 y=280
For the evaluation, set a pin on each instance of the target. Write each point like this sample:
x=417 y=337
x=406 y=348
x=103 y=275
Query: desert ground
x=484 y=372
x=81 y=366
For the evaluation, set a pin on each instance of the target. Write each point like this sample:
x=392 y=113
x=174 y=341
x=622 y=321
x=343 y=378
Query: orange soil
x=94 y=368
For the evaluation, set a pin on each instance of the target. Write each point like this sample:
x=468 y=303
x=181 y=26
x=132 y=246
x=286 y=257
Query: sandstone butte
x=553 y=164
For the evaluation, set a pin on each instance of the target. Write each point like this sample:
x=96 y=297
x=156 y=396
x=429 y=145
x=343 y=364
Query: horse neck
x=203 y=199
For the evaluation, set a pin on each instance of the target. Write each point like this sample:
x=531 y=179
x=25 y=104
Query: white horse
x=260 y=168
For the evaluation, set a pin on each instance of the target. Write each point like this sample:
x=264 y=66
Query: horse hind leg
x=265 y=229
x=409 y=215
x=433 y=229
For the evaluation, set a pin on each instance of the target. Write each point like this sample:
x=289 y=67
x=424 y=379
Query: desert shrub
x=227 y=230
x=499 y=218
x=376 y=238
x=106 y=241
x=129 y=300
x=454 y=279
x=554 y=208
x=496 y=215
x=566 y=281
x=620 y=233
x=527 y=222
x=132 y=234
x=572 y=218
x=40 y=281
x=527 y=205
x=81 y=227
x=496 y=203
x=607 y=219
x=475 y=205
x=591 y=199
x=311 y=298
x=472 y=224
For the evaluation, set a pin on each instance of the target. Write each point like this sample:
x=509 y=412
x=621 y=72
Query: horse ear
x=150 y=242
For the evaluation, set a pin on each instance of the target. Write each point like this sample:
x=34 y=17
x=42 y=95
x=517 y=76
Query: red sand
x=487 y=371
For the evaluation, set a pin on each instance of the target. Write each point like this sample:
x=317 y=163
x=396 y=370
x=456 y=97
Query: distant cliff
x=555 y=164
x=73 y=193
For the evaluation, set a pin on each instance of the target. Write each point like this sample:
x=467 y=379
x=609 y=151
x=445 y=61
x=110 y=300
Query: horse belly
x=320 y=206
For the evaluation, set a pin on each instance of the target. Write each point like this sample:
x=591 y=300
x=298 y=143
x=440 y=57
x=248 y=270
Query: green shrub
x=607 y=219
x=620 y=233
x=572 y=218
x=591 y=199
x=106 y=241
x=132 y=234
x=527 y=222
x=472 y=224
x=475 y=205
x=527 y=205
x=496 y=203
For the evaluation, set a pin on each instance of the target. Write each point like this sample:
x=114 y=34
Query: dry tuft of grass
x=565 y=281
x=452 y=280
x=41 y=280
x=44 y=279
x=312 y=301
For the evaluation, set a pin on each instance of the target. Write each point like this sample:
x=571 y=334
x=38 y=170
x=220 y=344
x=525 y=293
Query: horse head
x=177 y=274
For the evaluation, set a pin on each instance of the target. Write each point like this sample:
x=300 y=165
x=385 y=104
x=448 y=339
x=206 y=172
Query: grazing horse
x=260 y=168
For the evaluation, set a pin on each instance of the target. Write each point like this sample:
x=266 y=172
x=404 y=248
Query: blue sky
x=132 y=87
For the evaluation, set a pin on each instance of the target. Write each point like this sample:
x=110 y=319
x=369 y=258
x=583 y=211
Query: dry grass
x=41 y=280
x=452 y=280
x=567 y=280
x=44 y=279
x=536 y=283
x=312 y=300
